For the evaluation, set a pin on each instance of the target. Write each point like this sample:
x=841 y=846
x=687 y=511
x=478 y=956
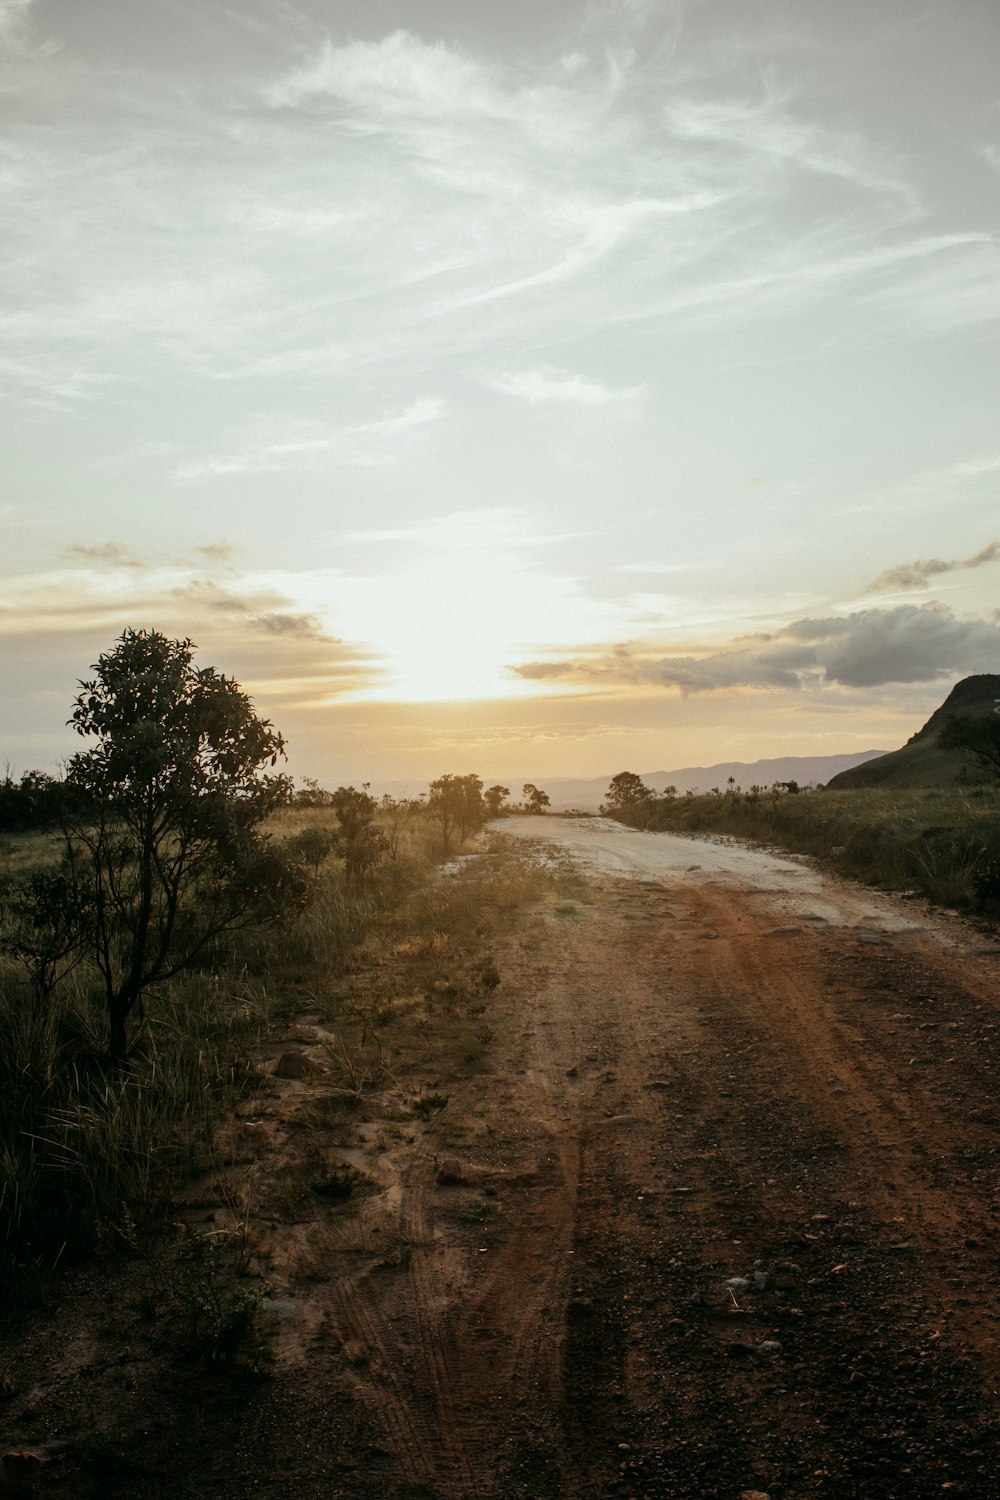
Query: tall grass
x=89 y=1152
x=940 y=841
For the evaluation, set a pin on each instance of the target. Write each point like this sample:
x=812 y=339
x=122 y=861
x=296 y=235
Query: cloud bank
x=868 y=649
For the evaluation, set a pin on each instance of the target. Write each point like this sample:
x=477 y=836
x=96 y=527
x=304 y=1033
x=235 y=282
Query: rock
x=737 y=1284
x=294 y=1065
x=450 y=1172
x=770 y=1347
x=754 y=1495
x=581 y=1307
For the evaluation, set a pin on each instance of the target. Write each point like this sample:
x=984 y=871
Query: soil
x=718 y=1221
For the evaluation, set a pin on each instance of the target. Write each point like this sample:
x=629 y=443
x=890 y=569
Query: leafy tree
x=456 y=804
x=358 y=839
x=536 y=800
x=167 y=852
x=978 y=736
x=311 y=794
x=494 y=798
x=625 y=790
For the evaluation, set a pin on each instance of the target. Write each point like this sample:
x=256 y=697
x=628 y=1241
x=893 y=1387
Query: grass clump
x=476 y=1211
x=210 y=1313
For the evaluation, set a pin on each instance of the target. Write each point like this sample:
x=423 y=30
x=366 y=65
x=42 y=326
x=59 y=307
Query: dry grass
x=939 y=841
x=397 y=973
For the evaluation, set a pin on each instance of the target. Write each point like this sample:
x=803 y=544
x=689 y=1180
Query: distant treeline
x=36 y=802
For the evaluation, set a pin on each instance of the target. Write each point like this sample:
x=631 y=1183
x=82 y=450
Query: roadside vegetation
x=168 y=912
x=941 y=842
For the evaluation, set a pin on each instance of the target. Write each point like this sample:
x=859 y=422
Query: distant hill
x=921 y=761
x=807 y=770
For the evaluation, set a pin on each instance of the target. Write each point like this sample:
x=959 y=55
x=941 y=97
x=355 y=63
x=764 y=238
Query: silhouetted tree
x=626 y=789
x=535 y=799
x=494 y=798
x=456 y=804
x=169 y=854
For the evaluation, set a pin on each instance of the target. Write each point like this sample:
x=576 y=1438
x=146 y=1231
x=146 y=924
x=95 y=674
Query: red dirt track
x=735 y=1169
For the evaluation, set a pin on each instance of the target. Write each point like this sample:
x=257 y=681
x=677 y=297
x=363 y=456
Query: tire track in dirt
x=357 y=1314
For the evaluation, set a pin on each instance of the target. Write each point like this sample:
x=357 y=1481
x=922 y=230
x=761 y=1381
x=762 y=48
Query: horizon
x=607 y=384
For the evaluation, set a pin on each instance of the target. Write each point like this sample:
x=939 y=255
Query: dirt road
x=720 y=1219
x=742 y=1142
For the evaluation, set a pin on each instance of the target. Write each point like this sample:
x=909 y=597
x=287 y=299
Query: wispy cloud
x=769 y=131
x=560 y=386
x=498 y=529
x=276 y=647
x=112 y=553
x=365 y=445
x=918 y=574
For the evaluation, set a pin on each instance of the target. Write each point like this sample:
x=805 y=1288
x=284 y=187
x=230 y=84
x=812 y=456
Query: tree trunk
x=118 y=1009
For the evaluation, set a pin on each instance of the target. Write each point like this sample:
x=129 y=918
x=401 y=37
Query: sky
x=532 y=390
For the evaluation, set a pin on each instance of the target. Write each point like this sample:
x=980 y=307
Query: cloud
x=112 y=553
x=302 y=627
x=918 y=574
x=13 y=14
x=275 y=647
x=551 y=385
x=365 y=445
x=501 y=528
x=870 y=648
x=401 y=74
x=767 y=129
x=906 y=644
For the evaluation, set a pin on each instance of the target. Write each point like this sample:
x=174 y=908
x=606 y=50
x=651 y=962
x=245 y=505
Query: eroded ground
x=720 y=1218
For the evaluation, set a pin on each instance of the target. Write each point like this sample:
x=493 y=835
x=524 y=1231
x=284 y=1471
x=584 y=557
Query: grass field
x=89 y=1153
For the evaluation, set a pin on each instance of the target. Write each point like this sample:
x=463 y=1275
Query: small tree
x=456 y=805
x=625 y=790
x=165 y=852
x=535 y=799
x=397 y=815
x=311 y=794
x=976 y=735
x=358 y=839
x=495 y=798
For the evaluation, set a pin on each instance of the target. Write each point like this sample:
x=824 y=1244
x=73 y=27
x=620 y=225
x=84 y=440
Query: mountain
x=807 y=770
x=921 y=761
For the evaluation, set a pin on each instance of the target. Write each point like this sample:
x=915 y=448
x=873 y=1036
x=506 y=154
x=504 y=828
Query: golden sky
x=530 y=390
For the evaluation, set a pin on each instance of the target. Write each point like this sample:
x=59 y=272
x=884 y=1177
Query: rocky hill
x=921 y=761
